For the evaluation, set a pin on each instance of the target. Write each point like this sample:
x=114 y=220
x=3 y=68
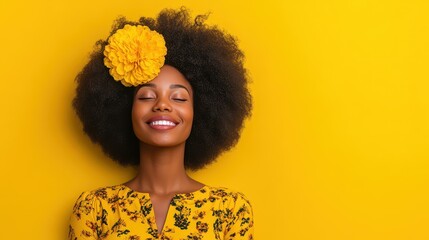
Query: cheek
x=136 y=115
x=190 y=119
x=188 y=113
x=139 y=109
x=191 y=115
x=134 y=112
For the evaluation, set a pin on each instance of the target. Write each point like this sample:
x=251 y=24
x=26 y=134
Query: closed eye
x=180 y=99
x=145 y=98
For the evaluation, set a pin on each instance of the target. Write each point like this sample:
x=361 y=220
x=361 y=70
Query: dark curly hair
x=209 y=59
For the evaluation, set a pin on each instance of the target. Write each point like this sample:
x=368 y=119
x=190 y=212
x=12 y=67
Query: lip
x=162 y=118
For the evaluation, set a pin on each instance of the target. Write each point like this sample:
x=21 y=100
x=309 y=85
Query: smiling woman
x=162 y=112
x=164 y=95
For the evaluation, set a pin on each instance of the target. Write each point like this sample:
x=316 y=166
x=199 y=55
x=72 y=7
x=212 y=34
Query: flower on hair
x=135 y=55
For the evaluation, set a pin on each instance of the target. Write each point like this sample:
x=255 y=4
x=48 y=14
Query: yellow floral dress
x=118 y=212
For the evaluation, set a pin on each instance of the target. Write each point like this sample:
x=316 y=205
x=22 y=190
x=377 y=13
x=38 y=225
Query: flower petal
x=135 y=54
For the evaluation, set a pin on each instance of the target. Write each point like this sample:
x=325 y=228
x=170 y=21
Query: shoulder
x=236 y=212
x=100 y=194
x=230 y=198
x=89 y=212
x=228 y=193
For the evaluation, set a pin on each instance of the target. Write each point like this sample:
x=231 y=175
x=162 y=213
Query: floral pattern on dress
x=118 y=212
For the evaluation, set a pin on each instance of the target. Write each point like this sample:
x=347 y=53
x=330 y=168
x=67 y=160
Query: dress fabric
x=118 y=212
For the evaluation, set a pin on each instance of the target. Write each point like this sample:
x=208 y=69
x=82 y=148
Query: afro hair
x=209 y=59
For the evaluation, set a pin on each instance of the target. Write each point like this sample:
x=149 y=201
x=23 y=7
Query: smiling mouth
x=162 y=123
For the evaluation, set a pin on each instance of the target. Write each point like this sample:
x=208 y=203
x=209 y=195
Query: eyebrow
x=147 y=85
x=172 y=86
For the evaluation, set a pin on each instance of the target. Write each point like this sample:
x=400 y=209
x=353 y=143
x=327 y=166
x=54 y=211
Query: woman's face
x=163 y=110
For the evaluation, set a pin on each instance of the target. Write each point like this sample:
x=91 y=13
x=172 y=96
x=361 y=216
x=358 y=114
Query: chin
x=163 y=143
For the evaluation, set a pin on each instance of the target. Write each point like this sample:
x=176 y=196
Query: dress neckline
x=200 y=190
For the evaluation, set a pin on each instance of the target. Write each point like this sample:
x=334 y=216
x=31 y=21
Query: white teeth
x=162 y=123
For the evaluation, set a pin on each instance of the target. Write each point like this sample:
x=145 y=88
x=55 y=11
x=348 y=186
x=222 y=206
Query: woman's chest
x=191 y=219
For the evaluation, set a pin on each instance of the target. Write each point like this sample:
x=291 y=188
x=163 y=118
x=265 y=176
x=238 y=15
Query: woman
x=165 y=95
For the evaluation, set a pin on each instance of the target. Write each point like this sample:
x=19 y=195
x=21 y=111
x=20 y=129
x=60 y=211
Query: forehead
x=169 y=76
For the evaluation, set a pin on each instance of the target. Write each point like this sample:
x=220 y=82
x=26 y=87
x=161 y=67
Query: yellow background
x=337 y=147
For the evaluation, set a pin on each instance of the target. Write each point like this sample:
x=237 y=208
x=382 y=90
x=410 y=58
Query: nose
x=162 y=105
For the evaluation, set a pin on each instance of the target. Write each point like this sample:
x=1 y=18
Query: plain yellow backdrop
x=337 y=147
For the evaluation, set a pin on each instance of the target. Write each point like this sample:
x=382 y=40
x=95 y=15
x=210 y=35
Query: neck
x=161 y=170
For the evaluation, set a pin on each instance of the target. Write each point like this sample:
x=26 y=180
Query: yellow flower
x=135 y=55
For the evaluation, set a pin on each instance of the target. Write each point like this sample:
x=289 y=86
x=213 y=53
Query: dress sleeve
x=241 y=226
x=85 y=221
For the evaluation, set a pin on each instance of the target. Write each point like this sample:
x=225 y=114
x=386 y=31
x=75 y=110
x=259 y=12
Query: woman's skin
x=162 y=117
